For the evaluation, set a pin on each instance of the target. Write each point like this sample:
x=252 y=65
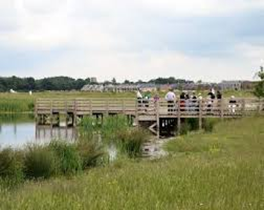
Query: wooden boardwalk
x=150 y=113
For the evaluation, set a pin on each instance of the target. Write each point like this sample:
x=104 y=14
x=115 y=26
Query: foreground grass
x=223 y=170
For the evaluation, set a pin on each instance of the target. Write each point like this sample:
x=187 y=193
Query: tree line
x=51 y=83
x=67 y=83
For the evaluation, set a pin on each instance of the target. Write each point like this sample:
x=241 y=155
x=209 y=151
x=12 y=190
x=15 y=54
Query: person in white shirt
x=170 y=98
x=139 y=95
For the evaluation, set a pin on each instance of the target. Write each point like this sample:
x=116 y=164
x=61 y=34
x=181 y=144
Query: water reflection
x=18 y=131
x=48 y=133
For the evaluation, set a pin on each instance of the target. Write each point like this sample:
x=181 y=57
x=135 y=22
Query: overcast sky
x=209 y=40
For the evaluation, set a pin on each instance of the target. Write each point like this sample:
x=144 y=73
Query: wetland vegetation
x=219 y=170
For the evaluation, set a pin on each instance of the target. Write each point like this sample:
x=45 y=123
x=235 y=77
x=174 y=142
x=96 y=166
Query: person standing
x=139 y=95
x=170 y=98
x=139 y=99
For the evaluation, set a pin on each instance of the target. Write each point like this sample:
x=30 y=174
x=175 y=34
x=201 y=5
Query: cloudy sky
x=209 y=40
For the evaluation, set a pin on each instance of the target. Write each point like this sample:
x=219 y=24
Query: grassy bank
x=220 y=170
x=23 y=102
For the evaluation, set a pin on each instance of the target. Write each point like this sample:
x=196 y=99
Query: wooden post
x=136 y=113
x=179 y=117
x=107 y=107
x=51 y=113
x=36 y=109
x=66 y=112
x=243 y=111
x=91 y=107
x=259 y=106
x=158 y=118
x=74 y=113
x=200 y=114
x=222 y=109
x=123 y=106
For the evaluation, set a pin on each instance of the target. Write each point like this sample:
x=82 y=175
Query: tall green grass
x=40 y=162
x=44 y=161
x=11 y=167
x=115 y=130
x=69 y=160
x=221 y=170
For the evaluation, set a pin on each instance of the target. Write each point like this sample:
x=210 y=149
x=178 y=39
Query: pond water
x=18 y=130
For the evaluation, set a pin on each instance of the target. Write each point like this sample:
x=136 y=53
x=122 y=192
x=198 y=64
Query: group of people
x=188 y=101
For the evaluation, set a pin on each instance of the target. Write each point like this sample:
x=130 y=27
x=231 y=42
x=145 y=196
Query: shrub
x=132 y=141
x=11 y=165
x=208 y=125
x=91 y=153
x=185 y=128
x=69 y=158
x=40 y=162
x=193 y=123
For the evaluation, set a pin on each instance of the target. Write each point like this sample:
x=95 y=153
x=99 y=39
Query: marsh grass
x=221 y=170
x=68 y=159
x=131 y=142
x=57 y=158
x=92 y=154
x=115 y=130
x=11 y=166
x=40 y=162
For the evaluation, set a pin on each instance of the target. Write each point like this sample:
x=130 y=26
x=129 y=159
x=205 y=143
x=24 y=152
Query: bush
x=11 y=165
x=208 y=125
x=69 y=158
x=40 y=162
x=193 y=123
x=185 y=128
x=132 y=141
x=90 y=152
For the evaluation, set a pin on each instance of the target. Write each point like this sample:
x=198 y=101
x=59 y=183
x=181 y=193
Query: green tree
x=259 y=88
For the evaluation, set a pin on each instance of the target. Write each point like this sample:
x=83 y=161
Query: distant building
x=231 y=85
x=93 y=88
x=93 y=80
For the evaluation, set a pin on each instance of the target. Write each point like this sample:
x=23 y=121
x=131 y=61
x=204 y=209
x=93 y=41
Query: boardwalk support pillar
x=158 y=119
x=179 y=119
x=200 y=114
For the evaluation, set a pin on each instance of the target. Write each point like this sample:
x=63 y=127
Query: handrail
x=150 y=107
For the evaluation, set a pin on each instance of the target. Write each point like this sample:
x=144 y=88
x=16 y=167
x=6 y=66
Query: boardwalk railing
x=146 y=109
x=201 y=108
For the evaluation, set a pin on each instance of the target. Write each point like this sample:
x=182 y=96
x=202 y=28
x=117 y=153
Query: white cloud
x=95 y=24
x=147 y=65
x=254 y=53
x=94 y=29
x=200 y=7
